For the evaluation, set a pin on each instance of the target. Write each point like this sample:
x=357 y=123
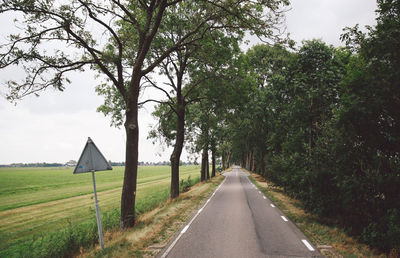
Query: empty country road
x=239 y=221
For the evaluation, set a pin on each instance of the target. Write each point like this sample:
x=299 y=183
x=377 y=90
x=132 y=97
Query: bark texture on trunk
x=207 y=166
x=203 y=165
x=131 y=160
x=213 y=162
x=176 y=154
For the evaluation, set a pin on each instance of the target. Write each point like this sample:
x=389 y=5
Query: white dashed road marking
x=188 y=225
x=305 y=242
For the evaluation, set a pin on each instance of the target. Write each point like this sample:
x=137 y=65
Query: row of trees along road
x=321 y=122
x=56 y=38
x=324 y=123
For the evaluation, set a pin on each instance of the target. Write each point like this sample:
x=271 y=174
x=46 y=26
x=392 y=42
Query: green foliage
x=138 y=36
x=185 y=185
x=328 y=120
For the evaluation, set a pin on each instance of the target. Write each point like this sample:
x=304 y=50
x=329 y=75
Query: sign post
x=99 y=227
x=92 y=160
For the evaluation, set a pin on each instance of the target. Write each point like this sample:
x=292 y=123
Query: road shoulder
x=154 y=230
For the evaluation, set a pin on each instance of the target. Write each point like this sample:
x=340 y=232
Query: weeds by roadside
x=185 y=185
x=156 y=227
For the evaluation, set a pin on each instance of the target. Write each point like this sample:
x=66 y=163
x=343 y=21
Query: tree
x=131 y=28
x=188 y=70
x=366 y=126
x=194 y=64
x=268 y=66
x=185 y=76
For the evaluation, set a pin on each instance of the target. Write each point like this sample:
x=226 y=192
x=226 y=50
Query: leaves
x=323 y=123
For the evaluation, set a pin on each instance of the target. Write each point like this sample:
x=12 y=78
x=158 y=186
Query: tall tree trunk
x=228 y=162
x=131 y=162
x=213 y=161
x=176 y=154
x=208 y=165
x=253 y=163
x=180 y=133
x=262 y=163
x=224 y=156
x=203 y=165
x=248 y=156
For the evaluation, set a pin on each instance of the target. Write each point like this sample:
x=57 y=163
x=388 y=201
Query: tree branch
x=159 y=88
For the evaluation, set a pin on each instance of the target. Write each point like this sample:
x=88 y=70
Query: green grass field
x=38 y=201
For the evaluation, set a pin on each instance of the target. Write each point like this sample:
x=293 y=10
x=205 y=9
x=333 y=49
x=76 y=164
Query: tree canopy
x=136 y=42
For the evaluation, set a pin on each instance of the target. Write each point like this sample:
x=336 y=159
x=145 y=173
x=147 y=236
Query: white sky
x=54 y=127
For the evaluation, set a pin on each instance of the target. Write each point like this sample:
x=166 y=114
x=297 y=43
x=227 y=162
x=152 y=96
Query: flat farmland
x=35 y=201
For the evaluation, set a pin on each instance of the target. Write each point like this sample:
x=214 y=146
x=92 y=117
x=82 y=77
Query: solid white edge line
x=284 y=219
x=273 y=206
x=306 y=243
x=165 y=254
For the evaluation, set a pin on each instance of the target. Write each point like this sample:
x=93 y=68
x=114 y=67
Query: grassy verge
x=155 y=228
x=331 y=240
x=69 y=203
x=76 y=238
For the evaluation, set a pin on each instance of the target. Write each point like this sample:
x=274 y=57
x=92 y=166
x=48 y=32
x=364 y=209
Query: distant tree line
x=69 y=164
x=38 y=164
x=165 y=163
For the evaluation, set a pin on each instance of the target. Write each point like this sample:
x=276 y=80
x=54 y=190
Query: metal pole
x=98 y=214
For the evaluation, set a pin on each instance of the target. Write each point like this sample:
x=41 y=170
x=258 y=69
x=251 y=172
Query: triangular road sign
x=91 y=160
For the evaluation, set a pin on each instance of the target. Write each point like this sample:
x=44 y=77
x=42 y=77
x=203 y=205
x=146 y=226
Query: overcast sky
x=54 y=127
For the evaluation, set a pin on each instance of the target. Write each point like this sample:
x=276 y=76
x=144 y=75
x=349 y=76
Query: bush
x=185 y=185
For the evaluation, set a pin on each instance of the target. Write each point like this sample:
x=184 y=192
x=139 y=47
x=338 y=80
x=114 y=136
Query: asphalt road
x=239 y=221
